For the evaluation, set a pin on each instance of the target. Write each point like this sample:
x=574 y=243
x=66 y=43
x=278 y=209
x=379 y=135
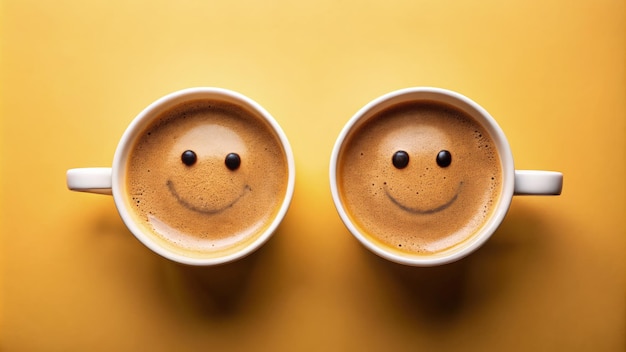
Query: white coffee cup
x=514 y=182
x=113 y=180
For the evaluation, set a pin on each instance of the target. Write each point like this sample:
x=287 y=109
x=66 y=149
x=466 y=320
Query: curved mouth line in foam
x=188 y=205
x=414 y=210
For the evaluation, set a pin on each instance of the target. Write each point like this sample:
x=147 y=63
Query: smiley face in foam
x=207 y=177
x=423 y=181
x=419 y=177
x=205 y=174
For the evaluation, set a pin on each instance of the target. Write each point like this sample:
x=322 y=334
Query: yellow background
x=75 y=73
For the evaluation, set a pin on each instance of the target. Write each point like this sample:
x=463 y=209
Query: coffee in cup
x=423 y=176
x=202 y=176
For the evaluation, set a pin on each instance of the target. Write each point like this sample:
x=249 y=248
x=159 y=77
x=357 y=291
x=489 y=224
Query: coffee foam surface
x=206 y=209
x=422 y=208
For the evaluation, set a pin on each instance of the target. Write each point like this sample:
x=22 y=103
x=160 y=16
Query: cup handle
x=91 y=179
x=536 y=182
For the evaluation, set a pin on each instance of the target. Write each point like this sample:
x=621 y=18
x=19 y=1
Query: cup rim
x=151 y=112
x=459 y=101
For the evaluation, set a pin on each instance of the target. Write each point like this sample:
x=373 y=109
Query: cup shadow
x=194 y=291
x=436 y=294
x=443 y=294
x=218 y=292
x=208 y=291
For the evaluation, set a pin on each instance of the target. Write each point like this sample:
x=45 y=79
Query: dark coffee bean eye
x=232 y=161
x=188 y=157
x=400 y=159
x=444 y=158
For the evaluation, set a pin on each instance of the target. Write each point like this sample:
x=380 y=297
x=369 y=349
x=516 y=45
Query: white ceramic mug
x=113 y=180
x=514 y=182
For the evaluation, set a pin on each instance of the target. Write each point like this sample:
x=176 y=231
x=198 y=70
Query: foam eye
x=188 y=157
x=232 y=161
x=444 y=158
x=400 y=159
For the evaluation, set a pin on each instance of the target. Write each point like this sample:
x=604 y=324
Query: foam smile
x=414 y=210
x=204 y=210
